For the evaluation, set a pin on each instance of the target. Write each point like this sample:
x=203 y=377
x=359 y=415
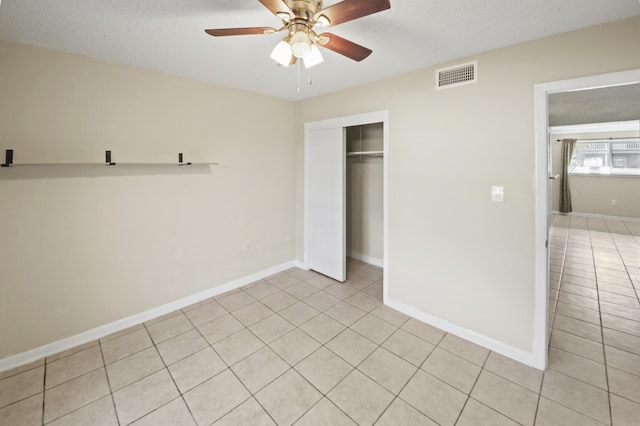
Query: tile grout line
x=171 y=375
x=475 y=382
x=104 y=365
x=560 y=282
x=322 y=345
x=353 y=368
x=165 y=367
x=569 y=408
x=229 y=367
x=603 y=245
x=413 y=375
x=379 y=346
x=154 y=345
x=587 y=234
x=555 y=310
x=603 y=341
x=77 y=377
x=626 y=267
x=606 y=369
x=597 y=310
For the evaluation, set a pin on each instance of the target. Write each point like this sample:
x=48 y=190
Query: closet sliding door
x=326 y=172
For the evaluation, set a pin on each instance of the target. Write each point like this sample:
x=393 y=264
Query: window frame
x=609 y=158
x=593 y=130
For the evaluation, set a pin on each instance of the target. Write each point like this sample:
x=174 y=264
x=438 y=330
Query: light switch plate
x=497 y=194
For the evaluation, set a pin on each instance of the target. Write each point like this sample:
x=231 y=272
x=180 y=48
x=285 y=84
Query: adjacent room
x=278 y=212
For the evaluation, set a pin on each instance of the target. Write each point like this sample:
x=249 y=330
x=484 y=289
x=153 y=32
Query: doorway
x=542 y=192
x=339 y=127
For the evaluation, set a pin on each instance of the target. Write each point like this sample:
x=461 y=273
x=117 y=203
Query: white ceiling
x=168 y=36
x=601 y=105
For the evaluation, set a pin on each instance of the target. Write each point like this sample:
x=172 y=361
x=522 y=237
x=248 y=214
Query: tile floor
x=297 y=348
x=594 y=312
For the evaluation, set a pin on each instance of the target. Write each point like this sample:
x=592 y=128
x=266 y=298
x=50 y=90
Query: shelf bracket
x=107 y=158
x=8 y=158
x=180 y=163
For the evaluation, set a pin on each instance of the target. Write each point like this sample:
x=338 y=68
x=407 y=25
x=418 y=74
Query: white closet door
x=326 y=202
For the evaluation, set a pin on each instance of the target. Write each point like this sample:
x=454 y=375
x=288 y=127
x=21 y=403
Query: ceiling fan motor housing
x=304 y=9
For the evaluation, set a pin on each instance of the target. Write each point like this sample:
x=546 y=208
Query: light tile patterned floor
x=594 y=312
x=297 y=348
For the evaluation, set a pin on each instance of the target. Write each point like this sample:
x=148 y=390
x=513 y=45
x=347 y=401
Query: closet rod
x=607 y=139
x=365 y=154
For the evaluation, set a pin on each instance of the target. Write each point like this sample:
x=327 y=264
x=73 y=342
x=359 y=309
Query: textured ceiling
x=617 y=103
x=168 y=36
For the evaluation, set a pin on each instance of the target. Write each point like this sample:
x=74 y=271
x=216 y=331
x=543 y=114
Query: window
x=606 y=157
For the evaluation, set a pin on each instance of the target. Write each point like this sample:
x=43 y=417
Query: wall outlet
x=613 y=202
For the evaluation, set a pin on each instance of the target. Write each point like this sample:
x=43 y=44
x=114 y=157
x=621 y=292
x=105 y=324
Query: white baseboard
x=104 y=330
x=601 y=216
x=301 y=265
x=365 y=258
x=519 y=355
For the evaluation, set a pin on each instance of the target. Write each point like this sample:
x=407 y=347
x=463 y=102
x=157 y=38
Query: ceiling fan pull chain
x=298 y=91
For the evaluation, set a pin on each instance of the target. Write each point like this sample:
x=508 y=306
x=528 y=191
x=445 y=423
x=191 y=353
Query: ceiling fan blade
x=344 y=47
x=220 y=32
x=348 y=10
x=276 y=6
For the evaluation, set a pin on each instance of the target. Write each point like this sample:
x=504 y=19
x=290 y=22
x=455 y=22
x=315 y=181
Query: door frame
x=541 y=179
x=342 y=122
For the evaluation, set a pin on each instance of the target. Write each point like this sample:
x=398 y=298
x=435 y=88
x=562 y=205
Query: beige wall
x=453 y=253
x=593 y=194
x=364 y=194
x=82 y=247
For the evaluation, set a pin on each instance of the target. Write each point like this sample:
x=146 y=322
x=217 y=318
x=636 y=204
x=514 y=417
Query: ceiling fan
x=300 y=17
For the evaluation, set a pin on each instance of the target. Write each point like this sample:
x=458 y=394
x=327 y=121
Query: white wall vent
x=457 y=75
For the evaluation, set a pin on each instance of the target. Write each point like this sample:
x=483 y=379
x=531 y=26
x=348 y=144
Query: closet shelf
x=8 y=162
x=13 y=165
x=366 y=154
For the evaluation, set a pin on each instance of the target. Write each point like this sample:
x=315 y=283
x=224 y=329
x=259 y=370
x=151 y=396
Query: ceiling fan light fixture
x=300 y=44
x=282 y=53
x=313 y=58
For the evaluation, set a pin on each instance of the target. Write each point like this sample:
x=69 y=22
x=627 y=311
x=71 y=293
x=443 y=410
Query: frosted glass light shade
x=282 y=53
x=300 y=44
x=313 y=58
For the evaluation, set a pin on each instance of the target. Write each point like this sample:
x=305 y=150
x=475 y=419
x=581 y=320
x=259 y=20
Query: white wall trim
x=104 y=330
x=341 y=122
x=540 y=186
x=615 y=126
x=599 y=216
x=365 y=258
x=301 y=265
x=524 y=357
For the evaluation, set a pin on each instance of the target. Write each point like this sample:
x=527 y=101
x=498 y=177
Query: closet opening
x=364 y=197
x=346 y=196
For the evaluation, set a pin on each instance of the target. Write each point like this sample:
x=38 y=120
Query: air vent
x=457 y=75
